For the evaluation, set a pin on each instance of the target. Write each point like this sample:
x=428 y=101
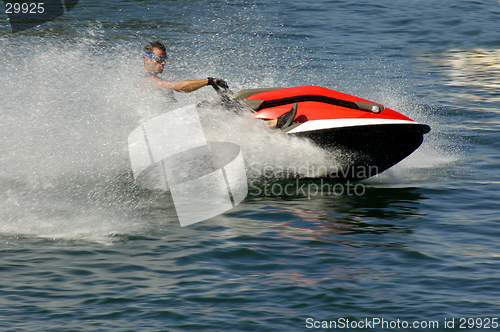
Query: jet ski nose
x=425 y=128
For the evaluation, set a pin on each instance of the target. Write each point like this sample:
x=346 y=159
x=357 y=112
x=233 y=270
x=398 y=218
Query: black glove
x=217 y=83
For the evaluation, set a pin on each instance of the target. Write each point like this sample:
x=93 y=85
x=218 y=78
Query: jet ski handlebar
x=217 y=83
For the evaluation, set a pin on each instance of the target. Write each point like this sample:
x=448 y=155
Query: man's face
x=153 y=65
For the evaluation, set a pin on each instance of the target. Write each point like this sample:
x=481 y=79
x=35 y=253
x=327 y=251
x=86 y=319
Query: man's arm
x=180 y=86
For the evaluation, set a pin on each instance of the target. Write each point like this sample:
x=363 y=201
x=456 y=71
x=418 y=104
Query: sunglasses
x=156 y=58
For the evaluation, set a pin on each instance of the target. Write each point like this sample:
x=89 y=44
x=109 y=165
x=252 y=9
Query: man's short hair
x=156 y=44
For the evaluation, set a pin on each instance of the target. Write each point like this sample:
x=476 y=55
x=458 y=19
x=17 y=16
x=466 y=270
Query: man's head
x=154 y=57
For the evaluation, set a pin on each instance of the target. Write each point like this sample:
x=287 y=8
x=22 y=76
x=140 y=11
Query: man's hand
x=217 y=83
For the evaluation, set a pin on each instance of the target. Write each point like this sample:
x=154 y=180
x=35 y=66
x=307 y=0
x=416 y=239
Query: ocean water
x=82 y=248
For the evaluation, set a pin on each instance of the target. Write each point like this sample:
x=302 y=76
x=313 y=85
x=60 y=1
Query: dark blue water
x=84 y=249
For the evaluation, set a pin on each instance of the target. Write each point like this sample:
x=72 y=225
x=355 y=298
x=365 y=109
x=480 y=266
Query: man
x=155 y=56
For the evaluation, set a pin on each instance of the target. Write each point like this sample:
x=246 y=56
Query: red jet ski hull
x=370 y=137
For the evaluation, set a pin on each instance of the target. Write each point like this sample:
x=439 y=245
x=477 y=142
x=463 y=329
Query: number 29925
x=25 y=8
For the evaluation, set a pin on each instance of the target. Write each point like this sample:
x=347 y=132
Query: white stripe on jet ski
x=339 y=123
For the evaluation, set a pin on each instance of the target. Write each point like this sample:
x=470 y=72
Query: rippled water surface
x=84 y=249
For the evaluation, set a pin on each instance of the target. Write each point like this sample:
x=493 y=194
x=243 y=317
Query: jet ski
x=371 y=138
